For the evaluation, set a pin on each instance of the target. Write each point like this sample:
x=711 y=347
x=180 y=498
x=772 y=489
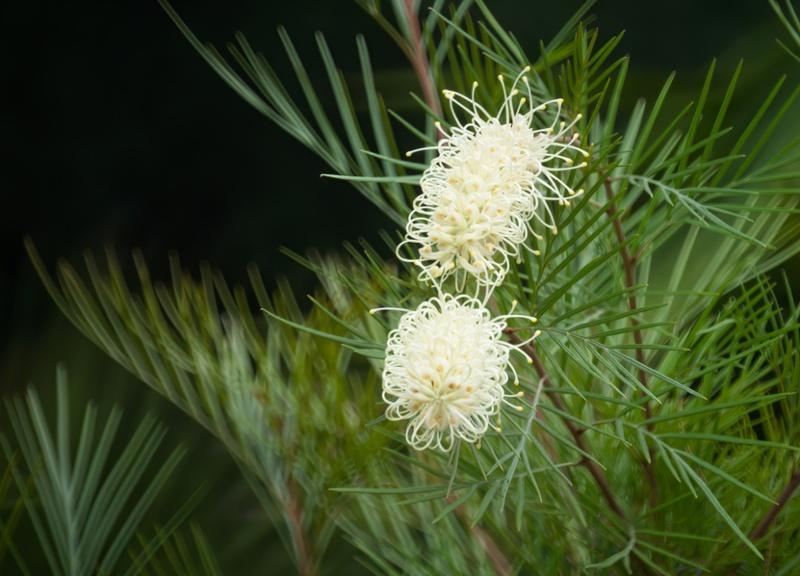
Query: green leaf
x=84 y=525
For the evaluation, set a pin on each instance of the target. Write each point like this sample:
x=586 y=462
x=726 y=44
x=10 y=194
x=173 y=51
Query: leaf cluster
x=289 y=407
x=85 y=509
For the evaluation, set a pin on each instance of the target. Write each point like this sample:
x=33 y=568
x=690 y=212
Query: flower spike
x=445 y=370
x=493 y=174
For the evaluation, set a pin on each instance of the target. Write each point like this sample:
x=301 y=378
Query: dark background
x=114 y=132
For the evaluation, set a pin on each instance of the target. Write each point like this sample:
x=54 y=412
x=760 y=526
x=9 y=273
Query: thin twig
x=306 y=564
x=419 y=60
x=629 y=268
x=780 y=503
x=577 y=432
x=783 y=498
x=501 y=564
x=413 y=49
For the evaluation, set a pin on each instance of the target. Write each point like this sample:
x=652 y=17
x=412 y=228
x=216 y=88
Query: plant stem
x=498 y=559
x=772 y=513
x=501 y=564
x=413 y=49
x=629 y=268
x=419 y=60
x=577 y=432
x=306 y=566
x=783 y=498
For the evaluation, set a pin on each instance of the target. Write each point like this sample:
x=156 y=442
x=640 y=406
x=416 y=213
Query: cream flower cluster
x=493 y=180
x=445 y=370
x=492 y=176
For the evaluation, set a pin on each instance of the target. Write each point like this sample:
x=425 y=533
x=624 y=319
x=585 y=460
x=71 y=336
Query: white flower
x=445 y=371
x=492 y=175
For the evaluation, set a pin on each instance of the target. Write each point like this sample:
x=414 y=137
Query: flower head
x=493 y=174
x=445 y=371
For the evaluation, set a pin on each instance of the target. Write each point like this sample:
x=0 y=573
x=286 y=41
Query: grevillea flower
x=445 y=370
x=493 y=174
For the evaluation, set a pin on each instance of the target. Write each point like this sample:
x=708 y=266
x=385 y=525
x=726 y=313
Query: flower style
x=493 y=175
x=445 y=371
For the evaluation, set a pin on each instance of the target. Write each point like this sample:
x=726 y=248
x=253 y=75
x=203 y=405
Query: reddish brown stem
x=577 y=432
x=498 y=559
x=501 y=564
x=306 y=566
x=772 y=513
x=783 y=498
x=419 y=60
x=629 y=268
